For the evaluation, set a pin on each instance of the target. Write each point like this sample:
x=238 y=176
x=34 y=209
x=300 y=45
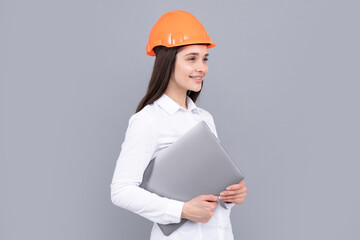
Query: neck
x=178 y=96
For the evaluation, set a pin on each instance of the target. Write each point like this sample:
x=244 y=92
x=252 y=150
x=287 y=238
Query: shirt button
x=221 y=227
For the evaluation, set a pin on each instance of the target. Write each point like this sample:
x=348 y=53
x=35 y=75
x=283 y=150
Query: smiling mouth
x=197 y=78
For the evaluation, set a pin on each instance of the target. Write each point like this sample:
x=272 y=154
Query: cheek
x=186 y=70
x=183 y=72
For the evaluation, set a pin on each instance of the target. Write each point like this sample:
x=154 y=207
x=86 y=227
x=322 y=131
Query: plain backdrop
x=283 y=87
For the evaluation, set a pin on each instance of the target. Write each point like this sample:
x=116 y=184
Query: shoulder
x=205 y=113
x=143 y=117
x=141 y=125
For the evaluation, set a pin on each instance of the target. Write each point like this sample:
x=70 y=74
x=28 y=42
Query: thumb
x=209 y=198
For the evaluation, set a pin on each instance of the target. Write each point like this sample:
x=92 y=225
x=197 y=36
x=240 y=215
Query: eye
x=191 y=59
x=205 y=59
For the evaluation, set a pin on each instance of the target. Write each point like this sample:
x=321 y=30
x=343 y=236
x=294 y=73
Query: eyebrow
x=196 y=54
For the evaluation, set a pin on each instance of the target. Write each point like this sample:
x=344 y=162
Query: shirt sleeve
x=136 y=152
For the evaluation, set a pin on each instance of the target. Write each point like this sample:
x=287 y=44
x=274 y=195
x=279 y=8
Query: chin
x=195 y=89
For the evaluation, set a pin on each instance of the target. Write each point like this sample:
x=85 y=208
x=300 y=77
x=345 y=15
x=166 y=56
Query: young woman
x=167 y=111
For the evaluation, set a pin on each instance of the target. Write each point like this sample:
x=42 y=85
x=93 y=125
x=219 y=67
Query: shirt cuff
x=173 y=211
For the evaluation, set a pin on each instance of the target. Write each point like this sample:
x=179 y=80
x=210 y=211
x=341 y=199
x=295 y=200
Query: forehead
x=199 y=49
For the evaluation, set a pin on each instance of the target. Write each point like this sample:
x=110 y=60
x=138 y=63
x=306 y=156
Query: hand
x=200 y=209
x=234 y=194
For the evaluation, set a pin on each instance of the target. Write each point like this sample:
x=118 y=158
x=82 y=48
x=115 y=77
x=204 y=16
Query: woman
x=180 y=44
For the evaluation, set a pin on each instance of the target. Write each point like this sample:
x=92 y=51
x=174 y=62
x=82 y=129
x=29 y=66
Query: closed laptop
x=196 y=164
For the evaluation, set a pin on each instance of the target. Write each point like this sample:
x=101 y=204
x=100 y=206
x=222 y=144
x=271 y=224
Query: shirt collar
x=170 y=106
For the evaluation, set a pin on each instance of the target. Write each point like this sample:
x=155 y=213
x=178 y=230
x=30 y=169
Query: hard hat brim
x=152 y=52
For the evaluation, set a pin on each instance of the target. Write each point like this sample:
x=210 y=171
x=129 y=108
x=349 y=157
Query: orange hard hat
x=177 y=28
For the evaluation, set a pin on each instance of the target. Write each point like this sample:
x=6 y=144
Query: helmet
x=177 y=28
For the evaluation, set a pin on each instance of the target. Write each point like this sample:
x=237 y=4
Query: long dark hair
x=163 y=67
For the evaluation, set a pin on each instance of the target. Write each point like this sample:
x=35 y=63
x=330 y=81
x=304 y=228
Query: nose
x=201 y=67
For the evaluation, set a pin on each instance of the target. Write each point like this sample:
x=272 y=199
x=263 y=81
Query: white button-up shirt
x=150 y=130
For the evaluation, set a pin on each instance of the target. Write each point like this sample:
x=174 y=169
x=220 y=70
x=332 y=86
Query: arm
x=136 y=152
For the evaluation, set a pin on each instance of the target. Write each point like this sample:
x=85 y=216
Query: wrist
x=184 y=212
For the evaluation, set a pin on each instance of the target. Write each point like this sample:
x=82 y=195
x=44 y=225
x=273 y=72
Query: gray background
x=283 y=89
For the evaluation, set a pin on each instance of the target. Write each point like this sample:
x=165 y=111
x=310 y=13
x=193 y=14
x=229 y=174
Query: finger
x=236 y=186
x=236 y=201
x=213 y=204
x=209 y=198
x=243 y=195
x=234 y=192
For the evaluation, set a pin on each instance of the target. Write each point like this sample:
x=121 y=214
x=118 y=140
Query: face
x=190 y=68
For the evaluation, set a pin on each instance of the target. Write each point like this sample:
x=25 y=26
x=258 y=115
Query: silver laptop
x=196 y=164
